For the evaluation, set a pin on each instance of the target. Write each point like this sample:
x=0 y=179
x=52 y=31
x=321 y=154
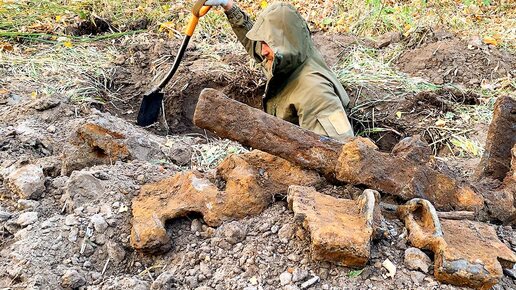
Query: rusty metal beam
x=403 y=173
x=251 y=127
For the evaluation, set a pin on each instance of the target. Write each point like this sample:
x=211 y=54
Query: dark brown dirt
x=452 y=61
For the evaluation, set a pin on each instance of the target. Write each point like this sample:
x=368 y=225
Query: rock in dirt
x=27 y=218
x=234 y=232
x=165 y=281
x=4 y=215
x=299 y=275
x=310 y=282
x=251 y=180
x=390 y=267
x=388 y=38
x=340 y=229
x=115 y=252
x=99 y=223
x=27 y=182
x=466 y=253
x=104 y=139
x=285 y=278
x=72 y=279
x=415 y=259
x=81 y=188
x=501 y=137
x=45 y=103
x=132 y=283
x=286 y=232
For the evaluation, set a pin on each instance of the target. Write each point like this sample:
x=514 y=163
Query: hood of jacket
x=286 y=32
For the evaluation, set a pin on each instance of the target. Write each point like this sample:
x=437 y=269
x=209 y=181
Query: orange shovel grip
x=195 y=19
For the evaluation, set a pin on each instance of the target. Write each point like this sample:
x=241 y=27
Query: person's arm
x=241 y=23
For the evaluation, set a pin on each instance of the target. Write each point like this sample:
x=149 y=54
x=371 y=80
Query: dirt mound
x=454 y=61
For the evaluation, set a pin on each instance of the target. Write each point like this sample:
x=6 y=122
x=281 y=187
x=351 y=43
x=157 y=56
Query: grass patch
x=368 y=18
x=208 y=156
x=81 y=73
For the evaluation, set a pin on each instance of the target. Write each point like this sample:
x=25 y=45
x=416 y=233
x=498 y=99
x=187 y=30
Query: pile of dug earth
x=97 y=203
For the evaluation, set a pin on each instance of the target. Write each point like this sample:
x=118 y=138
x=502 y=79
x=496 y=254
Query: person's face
x=267 y=54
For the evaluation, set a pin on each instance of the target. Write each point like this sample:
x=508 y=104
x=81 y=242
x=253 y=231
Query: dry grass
x=365 y=18
x=80 y=73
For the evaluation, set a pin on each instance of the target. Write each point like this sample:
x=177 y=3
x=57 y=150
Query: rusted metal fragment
x=404 y=173
x=340 y=229
x=467 y=253
x=501 y=137
x=105 y=139
x=251 y=181
x=251 y=127
x=413 y=148
x=361 y=163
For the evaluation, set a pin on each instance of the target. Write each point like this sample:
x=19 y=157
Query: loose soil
x=453 y=61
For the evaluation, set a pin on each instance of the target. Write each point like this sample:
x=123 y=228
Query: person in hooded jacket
x=300 y=87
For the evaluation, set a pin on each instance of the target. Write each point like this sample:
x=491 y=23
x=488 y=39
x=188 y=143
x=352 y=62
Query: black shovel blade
x=150 y=108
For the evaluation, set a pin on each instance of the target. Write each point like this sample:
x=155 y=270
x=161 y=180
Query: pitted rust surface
x=251 y=181
x=357 y=162
x=251 y=127
x=340 y=229
x=467 y=253
x=501 y=138
x=361 y=163
x=103 y=141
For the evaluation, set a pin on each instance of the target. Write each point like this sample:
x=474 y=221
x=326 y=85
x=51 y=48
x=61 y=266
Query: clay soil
x=202 y=257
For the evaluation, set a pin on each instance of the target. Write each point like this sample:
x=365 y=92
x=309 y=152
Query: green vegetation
x=494 y=21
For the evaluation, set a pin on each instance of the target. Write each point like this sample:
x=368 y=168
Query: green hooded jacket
x=300 y=88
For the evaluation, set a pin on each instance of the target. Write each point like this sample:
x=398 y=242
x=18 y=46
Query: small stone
x=299 y=275
x=192 y=281
x=310 y=282
x=415 y=259
x=87 y=264
x=201 y=288
x=510 y=273
x=72 y=279
x=27 y=218
x=28 y=181
x=28 y=204
x=234 y=232
x=99 y=223
x=196 y=226
x=285 y=233
x=274 y=229
x=72 y=236
x=285 y=278
x=293 y=257
x=96 y=275
x=391 y=268
x=417 y=277
x=4 y=215
x=291 y=287
x=71 y=220
x=45 y=104
x=165 y=281
x=115 y=252
x=51 y=129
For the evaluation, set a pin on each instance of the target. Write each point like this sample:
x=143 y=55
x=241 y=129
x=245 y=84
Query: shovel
x=152 y=100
